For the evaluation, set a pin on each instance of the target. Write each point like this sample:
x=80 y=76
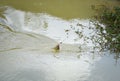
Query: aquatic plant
x=110 y=18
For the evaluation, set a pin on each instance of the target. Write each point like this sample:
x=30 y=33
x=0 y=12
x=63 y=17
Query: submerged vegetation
x=107 y=22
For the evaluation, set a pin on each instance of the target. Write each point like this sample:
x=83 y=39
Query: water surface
x=66 y=9
x=28 y=33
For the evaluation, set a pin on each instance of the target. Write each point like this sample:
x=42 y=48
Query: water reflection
x=105 y=68
x=32 y=66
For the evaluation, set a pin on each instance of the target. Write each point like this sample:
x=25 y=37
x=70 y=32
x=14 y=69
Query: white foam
x=56 y=28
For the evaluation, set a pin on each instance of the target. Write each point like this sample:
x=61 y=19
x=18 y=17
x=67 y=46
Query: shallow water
x=27 y=40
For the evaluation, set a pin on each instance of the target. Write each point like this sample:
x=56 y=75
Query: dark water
x=29 y=32
x=62 y=8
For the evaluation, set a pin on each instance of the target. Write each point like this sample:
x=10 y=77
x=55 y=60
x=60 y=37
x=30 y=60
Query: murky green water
x=30 y=29
x=61 y=8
